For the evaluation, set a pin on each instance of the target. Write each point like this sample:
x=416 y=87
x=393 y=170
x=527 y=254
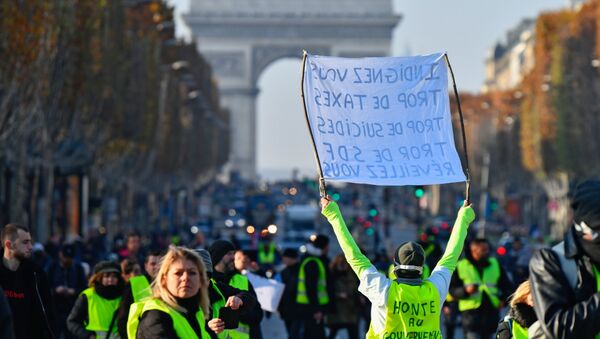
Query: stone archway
x=240 y=38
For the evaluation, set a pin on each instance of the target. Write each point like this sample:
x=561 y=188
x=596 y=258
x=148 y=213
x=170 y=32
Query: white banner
x=382 y=121
x=268 y=291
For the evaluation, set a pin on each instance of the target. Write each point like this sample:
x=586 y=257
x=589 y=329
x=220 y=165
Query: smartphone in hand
x=230 y=317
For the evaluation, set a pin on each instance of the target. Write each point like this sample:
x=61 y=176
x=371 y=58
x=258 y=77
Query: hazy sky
x=466 y=29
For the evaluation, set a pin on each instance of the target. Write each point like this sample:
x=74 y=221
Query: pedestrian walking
x=67 y=280
x=480 y=286
x=25 y=286
x=179 y=304
x=312 y=291
x=521 y=316
x=223 y=258
x=407 y=306
x=95 y=311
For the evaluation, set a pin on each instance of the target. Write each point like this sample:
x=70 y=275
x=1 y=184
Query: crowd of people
x=204 y=291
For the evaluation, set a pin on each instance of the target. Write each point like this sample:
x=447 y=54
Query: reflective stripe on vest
x=182 y=327
x=302 y=297
x=411 y=312
x=426 y=272
x=266 y=257
x=241 y=282
x=486 y=284
x=140 y=288
x=100 y=311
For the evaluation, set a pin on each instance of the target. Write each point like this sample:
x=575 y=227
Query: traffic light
x=419 y=191
x=373 y=212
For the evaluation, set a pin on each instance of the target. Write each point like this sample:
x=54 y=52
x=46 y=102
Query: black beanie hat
x=410 y=258
x=320 y=241
x=218 y=249
x=107 y=267
x=586 y=203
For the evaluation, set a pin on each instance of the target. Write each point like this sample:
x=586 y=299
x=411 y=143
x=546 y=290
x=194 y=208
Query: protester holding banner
x=407 y=306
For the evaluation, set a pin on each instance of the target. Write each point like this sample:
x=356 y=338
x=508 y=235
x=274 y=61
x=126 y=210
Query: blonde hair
x=159 y=288
x=521 y=294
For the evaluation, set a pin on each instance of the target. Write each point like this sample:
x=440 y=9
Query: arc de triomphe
x=240 y=38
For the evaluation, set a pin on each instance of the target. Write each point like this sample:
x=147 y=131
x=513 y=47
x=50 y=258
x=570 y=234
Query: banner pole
x=322 y=185
x=462 y=126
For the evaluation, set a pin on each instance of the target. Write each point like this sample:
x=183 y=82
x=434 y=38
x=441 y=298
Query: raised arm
x=358 y=261
x=465 y=216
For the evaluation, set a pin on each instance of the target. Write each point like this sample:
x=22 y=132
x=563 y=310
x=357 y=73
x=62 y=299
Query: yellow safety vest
x=240 y=282
x=266 y=257
x=182 y=327
x=424 y=275
x=216 y=306
x=487 y=284
x=140 y=288
x=411 y=312
x=100 y=312
x=302 y=297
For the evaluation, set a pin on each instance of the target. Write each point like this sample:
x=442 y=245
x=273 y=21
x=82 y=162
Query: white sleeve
x=375 y=286
x=440 y=277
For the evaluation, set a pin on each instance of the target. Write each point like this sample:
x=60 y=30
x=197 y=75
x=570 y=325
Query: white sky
x=466 y=29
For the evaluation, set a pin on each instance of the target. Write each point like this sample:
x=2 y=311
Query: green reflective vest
x=487 y=284
x=182 y=327
x=100 y=312
x=411 y=312
x=216 y=306
x=302 y=297
x=424 y=275
x=140 y=288
x=518 y=331
x=266 y=255
x=240 y=282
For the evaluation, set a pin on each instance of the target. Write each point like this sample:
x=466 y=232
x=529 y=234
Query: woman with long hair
x=94 y=312
x=521 y=316
x=179 y=303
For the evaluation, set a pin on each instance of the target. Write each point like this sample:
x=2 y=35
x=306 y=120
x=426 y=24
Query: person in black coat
x=521 y=315
x=25 y=286
x=571 y=309
x=67 y=279
x=106 y=283
x=288 y=309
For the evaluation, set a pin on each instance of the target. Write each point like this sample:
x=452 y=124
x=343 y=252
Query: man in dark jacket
x=566 y=279
x=222 y=255
x=289 y=276
x=481 y=286
x=25 y=286
x=218 y=290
